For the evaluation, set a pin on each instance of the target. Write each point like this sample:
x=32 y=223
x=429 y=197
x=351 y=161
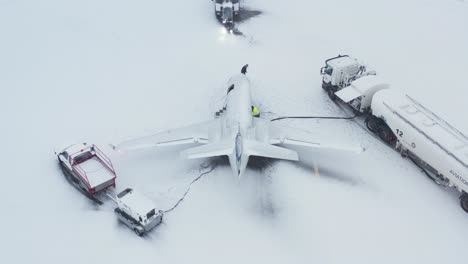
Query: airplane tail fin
x=256 y=148
x=208 y=150
x=244 y=69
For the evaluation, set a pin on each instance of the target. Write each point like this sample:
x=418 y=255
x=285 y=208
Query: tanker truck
x=401 y=122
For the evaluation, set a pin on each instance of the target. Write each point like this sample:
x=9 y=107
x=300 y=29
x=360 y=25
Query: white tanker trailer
x=422 y=136
x=404 y=124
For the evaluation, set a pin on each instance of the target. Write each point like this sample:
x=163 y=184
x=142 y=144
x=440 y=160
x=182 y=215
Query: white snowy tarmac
x=105 y=71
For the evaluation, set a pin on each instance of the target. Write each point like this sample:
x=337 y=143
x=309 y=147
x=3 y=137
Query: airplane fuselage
x=238 y=120
x=238 y=113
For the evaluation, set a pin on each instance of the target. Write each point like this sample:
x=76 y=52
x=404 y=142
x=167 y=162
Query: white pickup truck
x=87 y=168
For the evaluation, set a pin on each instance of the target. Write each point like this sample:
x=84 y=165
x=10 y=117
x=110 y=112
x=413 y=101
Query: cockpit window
x=230 y=88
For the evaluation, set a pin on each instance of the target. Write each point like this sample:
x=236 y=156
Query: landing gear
x=138 y=232
x=464 y=201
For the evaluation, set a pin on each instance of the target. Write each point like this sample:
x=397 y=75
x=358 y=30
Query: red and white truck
x=88 y=169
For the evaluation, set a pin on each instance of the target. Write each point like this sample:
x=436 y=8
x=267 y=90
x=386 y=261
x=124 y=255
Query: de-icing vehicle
x=227 y=12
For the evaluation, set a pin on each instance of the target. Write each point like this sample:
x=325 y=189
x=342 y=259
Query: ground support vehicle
x=402 y=123
x=88 y=169
x=137 y=211
x=340 y=72
x=227 y=12
x=422 y=136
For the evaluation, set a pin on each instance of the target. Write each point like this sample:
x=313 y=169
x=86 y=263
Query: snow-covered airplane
x=236 y=133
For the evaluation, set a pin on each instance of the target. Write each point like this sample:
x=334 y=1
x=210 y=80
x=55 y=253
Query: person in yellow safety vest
x=255 y=112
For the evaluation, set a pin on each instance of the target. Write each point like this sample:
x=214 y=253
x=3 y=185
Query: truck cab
x=137 y=211
x=346 y=79
x=340 y=71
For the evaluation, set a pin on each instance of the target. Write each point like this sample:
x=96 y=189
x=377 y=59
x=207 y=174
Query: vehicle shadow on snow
x=247 y=13
x=244 y=15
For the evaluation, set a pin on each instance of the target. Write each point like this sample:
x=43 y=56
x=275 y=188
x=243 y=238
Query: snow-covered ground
x=104 y=71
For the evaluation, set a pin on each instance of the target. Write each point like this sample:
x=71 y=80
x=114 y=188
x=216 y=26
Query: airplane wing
x=278 y=134
x=198 y=133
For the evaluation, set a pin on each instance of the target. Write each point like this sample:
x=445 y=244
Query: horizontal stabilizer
x=209 y=150
x=255 y=148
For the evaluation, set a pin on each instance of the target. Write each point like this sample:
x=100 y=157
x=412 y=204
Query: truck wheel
x=384 y=134
x=331 y=94
x=372 y=124
x=138 y=232
x=464 y=202
x=356 y=112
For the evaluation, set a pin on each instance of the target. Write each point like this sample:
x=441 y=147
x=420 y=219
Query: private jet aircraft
x=236 y=133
